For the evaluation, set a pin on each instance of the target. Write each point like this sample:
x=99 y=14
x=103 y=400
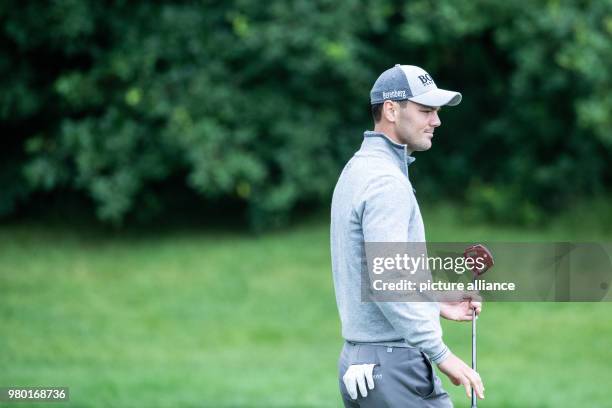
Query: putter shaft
x=473 y=353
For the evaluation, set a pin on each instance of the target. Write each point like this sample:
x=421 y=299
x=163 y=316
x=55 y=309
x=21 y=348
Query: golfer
x=389 y=348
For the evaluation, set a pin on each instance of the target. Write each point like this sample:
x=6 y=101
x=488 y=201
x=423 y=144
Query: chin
x=423 y=146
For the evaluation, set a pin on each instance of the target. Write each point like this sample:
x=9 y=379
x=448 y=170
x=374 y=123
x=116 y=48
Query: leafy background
x=130 y=106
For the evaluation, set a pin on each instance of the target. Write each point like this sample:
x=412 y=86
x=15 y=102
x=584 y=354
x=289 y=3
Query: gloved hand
x=356 y=376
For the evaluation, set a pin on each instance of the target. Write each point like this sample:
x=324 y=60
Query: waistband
x=391 y=343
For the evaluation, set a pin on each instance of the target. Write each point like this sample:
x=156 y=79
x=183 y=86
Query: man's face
x=415 y=125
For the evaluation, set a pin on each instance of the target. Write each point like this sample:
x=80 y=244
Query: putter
x=477 y=251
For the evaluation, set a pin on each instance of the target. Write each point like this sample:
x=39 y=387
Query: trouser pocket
x=436 y=384
x=353 y=354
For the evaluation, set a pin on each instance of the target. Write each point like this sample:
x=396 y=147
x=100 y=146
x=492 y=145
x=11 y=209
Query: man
x=386 y=359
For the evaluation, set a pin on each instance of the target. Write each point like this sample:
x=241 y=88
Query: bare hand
x=460 y=373
x=460 y=311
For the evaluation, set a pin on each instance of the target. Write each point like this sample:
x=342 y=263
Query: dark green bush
x=264 y=101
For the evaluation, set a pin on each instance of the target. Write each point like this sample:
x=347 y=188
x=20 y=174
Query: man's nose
x=435 y=119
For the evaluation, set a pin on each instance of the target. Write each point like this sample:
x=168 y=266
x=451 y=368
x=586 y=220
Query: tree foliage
x=264 y=102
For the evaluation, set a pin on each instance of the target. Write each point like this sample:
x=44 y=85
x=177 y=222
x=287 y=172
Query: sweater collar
x=379 y=142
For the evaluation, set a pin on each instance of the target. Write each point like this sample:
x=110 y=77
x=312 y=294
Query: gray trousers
x=403 y=377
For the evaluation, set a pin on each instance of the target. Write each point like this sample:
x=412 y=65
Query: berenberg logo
x=394 y=94
x=426 y=79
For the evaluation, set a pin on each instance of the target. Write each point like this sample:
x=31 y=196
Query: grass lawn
x=189 y=318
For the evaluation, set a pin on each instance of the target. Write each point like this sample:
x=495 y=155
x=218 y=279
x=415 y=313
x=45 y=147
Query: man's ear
x=389 y=111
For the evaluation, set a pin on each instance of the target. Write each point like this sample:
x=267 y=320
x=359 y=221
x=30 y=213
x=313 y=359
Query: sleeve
x=387 y=208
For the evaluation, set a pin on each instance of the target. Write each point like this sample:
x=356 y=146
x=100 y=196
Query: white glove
x=357 y=375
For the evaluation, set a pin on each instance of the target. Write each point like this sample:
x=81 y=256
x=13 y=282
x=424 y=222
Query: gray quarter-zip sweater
x=374 y=202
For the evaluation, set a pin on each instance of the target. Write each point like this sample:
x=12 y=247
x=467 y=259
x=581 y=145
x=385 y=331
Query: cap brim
x=438 y=97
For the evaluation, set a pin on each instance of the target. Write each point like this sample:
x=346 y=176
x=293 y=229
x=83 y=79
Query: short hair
x=377 y=109
x=377 y=112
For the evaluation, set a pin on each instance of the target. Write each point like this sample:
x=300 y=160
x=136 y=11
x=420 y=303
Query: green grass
x=190 y=318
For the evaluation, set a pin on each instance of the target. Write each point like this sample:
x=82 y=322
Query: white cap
x=409 y=82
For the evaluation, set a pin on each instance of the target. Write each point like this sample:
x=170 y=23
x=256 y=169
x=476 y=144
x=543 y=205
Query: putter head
x=482 y=253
